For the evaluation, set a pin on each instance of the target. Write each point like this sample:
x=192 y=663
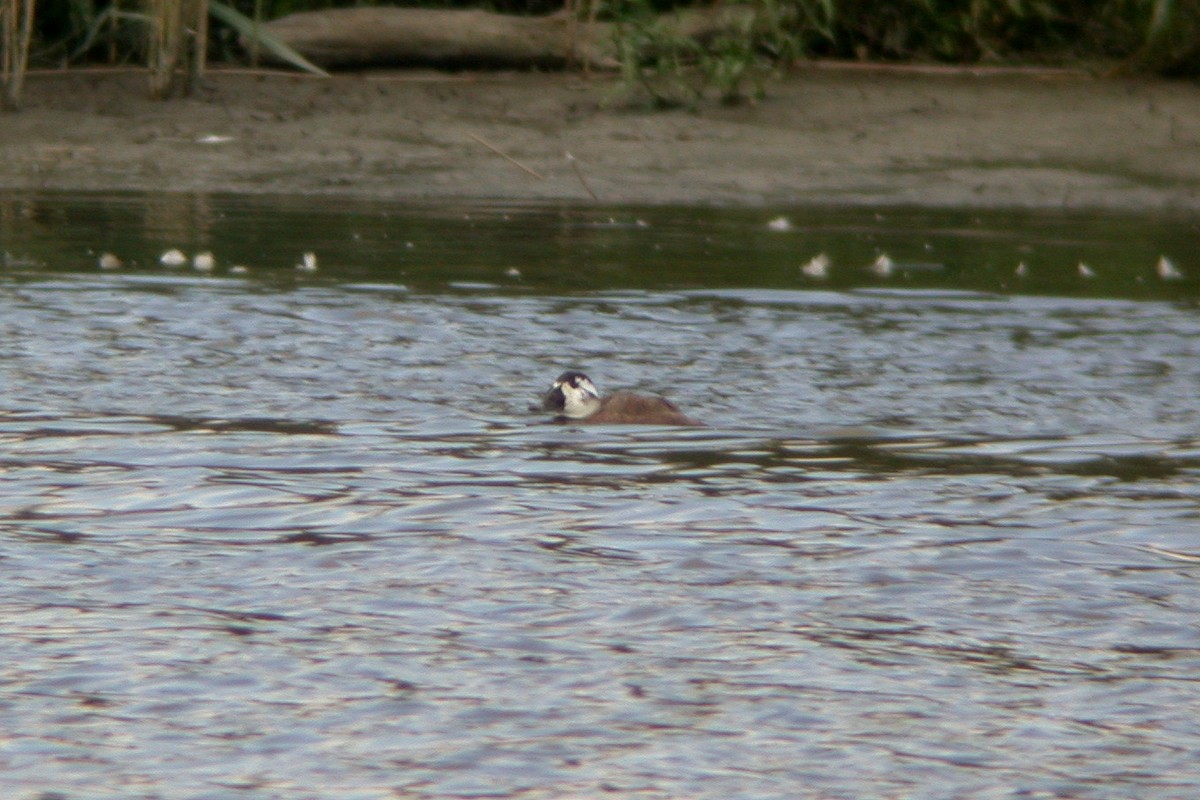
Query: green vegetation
x=1154 y=36
x=669 y=69
x=173 y=36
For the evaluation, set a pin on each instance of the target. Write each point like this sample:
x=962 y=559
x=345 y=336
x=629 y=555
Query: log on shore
x=361 y=37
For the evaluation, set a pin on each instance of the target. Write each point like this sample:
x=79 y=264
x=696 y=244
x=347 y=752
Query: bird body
x=575 y=399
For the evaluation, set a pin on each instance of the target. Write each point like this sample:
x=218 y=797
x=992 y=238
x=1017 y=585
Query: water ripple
x=301 y=536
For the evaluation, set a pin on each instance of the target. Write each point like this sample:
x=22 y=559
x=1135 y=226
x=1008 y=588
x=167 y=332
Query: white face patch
x=581 y=400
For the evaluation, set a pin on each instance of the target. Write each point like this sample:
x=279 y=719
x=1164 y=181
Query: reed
x=16 y=32
x=177 y=45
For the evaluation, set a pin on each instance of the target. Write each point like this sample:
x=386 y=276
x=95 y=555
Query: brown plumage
x=575 y=399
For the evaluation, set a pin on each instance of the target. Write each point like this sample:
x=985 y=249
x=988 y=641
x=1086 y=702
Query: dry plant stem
x=166 y=25
x=579 y=174
x=16 y=31
x=572 y=42
x=113 y=22
x=576 y=55
x=199 y=44
x=175 y=62
x=258 y=20
x=593 y=10
x=507 y=157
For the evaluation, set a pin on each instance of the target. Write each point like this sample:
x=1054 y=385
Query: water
x=279 y=534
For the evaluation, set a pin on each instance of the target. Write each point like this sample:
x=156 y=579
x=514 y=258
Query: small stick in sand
x=579 y=174
x=506 y=156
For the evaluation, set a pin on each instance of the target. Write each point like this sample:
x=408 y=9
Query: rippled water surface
x=284 y=534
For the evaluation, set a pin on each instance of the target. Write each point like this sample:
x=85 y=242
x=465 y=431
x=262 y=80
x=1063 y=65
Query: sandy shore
x=824 y=135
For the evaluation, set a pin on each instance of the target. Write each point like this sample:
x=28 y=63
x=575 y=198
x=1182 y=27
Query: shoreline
x=828 y=134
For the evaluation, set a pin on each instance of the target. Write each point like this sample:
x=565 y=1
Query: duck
x=574 y=398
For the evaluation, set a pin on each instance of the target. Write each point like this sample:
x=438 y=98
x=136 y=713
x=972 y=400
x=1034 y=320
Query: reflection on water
x=298 y=535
